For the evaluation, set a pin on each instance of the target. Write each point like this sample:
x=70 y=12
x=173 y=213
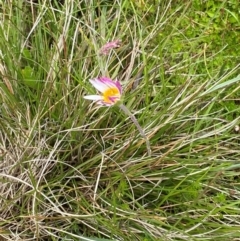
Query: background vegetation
x=70 y=170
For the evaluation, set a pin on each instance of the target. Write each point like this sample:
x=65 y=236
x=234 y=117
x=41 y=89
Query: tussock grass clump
x=70 y=170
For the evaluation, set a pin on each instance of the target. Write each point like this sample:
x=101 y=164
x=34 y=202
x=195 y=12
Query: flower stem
x=134 y=120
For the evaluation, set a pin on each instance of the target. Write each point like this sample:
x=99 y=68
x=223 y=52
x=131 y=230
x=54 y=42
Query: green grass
x=70 y=170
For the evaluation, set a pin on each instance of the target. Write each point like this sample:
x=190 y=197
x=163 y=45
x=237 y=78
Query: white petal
x=99 y=85
x=93 y=97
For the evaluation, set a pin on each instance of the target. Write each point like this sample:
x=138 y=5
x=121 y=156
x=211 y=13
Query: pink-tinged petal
x=93 y=97
x=118 y=85
x=107 y=81
x=111 y=83
x=114 y=99
x=104 y=83
x=99 y=85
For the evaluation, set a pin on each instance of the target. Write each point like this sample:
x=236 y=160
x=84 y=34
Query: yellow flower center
x=111 y=93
